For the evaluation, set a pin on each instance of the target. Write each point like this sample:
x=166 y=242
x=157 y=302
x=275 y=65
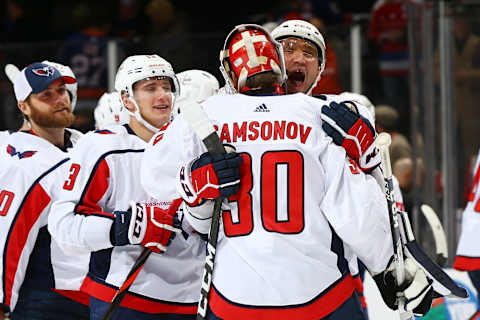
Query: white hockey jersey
x=302 y=210
x=29 y=180
x=104 y=177
x=468 y=250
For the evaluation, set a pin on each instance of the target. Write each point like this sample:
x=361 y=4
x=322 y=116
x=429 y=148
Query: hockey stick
x=135 y=270
x=122 y=291
x=438 y=234
x=201 y=125
x=383 y=142
x=403 y=238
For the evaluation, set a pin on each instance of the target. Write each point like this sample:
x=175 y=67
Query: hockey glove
x=148 y=226
x=353 y=132
x=210 y=177
x=417 y=288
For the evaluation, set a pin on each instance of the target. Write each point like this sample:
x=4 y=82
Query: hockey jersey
x=29 y=176
x=302 y=211
x=104 y=177
x=468 y=250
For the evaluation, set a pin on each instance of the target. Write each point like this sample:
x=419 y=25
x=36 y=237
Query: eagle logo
x=11 y=150
x=44 y=71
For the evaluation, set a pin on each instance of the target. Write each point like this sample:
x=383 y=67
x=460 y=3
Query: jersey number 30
x=291 y=193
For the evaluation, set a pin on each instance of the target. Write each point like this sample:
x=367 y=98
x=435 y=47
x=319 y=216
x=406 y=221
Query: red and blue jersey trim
x=319 y=307
x=106 y=292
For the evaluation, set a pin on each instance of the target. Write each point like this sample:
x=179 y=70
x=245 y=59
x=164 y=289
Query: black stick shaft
x=132 y=275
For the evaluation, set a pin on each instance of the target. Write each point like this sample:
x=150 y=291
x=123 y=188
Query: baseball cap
x=36 y=78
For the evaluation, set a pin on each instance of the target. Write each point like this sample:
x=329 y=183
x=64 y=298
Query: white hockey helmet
x=196 y=85
x=110 y=110
x=361 y=99
x=307 y=31
x=140 y=67
x=66 y=71
x=249 y=49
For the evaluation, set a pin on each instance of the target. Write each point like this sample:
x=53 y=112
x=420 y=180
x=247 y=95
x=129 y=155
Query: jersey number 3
x=70 y=182
x=273 y=190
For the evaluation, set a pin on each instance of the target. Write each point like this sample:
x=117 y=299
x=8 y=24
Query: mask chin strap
x=138 y=116
x=309 y=92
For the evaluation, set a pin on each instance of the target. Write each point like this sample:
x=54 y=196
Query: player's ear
x=24 y=107
x=126 y=101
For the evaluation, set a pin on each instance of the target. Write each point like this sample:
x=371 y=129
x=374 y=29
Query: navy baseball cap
x=36 y=78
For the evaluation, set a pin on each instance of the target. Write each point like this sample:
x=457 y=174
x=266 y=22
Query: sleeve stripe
x=94 y=191
x=31 y=210
x=97 y=186
x=32 y=206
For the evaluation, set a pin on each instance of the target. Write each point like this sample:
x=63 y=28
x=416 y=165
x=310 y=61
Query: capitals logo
x=44 y=72
x=21 y=155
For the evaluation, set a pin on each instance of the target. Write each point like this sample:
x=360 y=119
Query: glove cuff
x=119 y=229
x=184 y=184
x=370 y=159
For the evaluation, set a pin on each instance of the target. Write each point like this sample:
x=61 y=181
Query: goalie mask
x=250 y=50
x=141 y=67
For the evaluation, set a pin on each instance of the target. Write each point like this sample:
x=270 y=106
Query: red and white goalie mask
x=249 y=50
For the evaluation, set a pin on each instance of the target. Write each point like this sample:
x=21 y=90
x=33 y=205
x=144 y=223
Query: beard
x=53 y=119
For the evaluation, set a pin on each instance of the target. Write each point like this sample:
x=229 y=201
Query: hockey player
x=12 y=71
x=110 y=110
x=304 y=50
x=32 y=163
x=468 y=251
x=293 y=216
x=104 y=209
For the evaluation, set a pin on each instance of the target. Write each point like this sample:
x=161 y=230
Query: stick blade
x=383 y=140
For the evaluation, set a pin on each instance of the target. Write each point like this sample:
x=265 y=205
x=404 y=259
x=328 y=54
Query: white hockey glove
x=353 y=132
x=417 y=288
x=149 y=226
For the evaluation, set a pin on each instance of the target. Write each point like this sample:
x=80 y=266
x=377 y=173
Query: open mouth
x=296 y=78
x=160 y=107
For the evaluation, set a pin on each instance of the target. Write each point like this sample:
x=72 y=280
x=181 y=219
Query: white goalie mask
x=306 y=31
x=140 y=67
x=110 y=110
x=195 y=85
x=66 y=71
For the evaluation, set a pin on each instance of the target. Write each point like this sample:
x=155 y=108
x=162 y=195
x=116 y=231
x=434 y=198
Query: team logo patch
x=21 y=155
x=44 y=72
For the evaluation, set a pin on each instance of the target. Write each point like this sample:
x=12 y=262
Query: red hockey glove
x=210 y=177
x=148 y=226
